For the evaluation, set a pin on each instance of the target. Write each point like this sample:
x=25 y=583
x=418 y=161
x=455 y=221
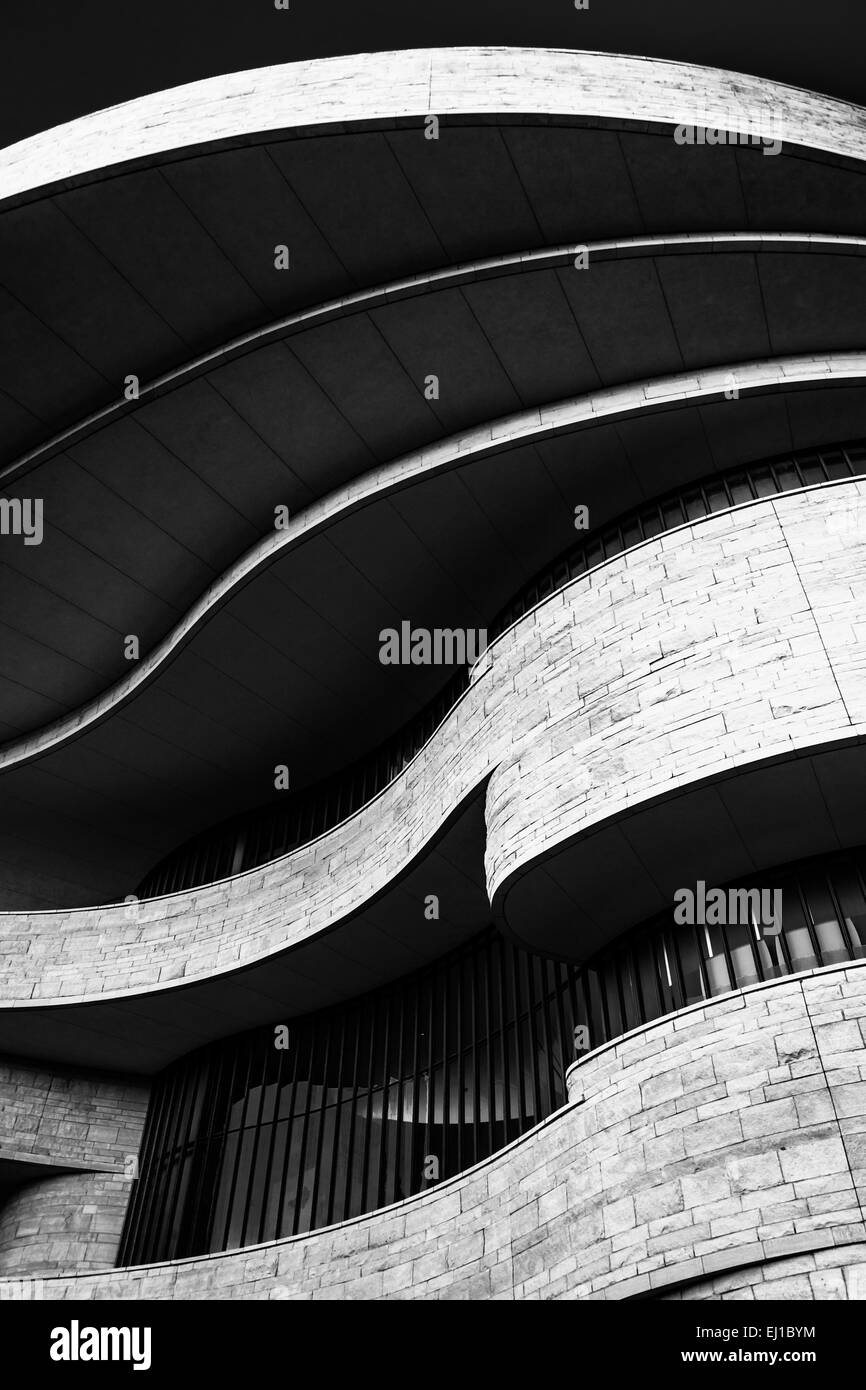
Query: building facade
x=433 y=539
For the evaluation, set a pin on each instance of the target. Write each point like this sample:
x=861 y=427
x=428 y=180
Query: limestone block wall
x=733 y=1133
x=723 y=1143
x=62 y=1116
x=64 y=1120
x=66 y=1221
x=837 y=1273
x=698 y=652
x=733 y=641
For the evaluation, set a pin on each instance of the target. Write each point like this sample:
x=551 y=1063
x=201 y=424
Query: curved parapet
x=199 y=371
x=316 y=151
x=575 y=745
x=665 y=1172
x=387 y=87
x=479 y=300
x=513 y=432
x=719 y=274
x=717 y=694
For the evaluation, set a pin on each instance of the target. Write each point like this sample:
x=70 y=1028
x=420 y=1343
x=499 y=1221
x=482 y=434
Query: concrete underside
x=693 y=708
x=146 y=269
x=719 y=733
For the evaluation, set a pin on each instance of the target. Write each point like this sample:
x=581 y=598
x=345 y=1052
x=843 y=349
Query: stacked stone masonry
x=719 y=1149
x=838 y=1273
x=73 y=1220
x=716 y=1153
x=60 y=1116
x=63 y=1121
x=695 y=654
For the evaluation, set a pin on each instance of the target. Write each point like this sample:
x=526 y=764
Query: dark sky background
x=62 y=58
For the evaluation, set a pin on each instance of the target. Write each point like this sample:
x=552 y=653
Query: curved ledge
x=664 y=1171
x=493 y=267
x=326 y=805
x=388 y=87
x=687 y=708
x=707 y=734
x=482 y=442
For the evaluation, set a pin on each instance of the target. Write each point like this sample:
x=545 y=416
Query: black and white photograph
x=432 y=674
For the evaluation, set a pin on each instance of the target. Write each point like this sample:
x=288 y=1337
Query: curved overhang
x=152 y=1014
x=519 y=281
x=588 y=887
x=714 y=386
x=148 y=503
x=333 y=93
x=595 y=777
x=200 y=741
x=122 y=248
x=123 y=253
x=619 y=299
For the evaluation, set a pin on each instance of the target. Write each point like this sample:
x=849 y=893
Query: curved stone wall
x=62 y=1116
x=722 y=644
x=735 y=643
x=71 y=1220
x=693 y=707
x=713 y=1142
x=831 y=1273
x=69 y=1144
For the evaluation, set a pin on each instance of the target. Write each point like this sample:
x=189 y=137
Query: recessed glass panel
x=368 y=1105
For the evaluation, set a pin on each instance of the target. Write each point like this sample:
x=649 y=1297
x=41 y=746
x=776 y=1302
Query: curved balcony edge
x=681 y=390
x=335 y=93
x=666 y=1174
x=416 y=286
x=665 y=712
